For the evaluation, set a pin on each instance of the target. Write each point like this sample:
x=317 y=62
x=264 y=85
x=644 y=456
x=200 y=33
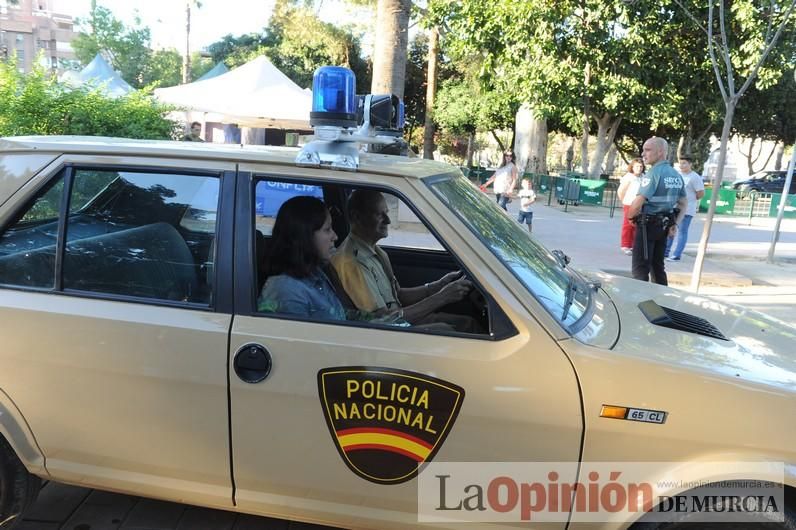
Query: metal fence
x=573 y=191
x=568 y=191
x=748 y=204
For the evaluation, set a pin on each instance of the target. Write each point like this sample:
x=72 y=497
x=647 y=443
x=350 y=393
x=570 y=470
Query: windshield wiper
x=561 y=258
x=569 y=296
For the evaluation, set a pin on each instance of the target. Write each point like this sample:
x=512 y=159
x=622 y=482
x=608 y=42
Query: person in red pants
x=628 y=189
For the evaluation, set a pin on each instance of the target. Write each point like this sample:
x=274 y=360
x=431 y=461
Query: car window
x=406 y=230
x=144 y=234
x=27 y=246
x=562 y=292
x=130 y=233
x=357 y=281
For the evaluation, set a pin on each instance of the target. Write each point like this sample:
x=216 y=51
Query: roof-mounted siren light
x=333 y=98
x=334 y=119
x=342 y=121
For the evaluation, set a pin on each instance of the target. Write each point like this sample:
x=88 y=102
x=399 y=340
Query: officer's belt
x=658 y=218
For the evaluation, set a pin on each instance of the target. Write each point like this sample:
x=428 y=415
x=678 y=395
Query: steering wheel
x=476 y=298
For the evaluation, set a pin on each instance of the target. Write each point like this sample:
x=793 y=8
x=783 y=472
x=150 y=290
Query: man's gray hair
x=661 y=144
x=362 y=201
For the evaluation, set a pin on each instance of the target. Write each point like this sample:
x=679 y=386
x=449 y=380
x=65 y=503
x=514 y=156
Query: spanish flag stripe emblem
x=389 y=448
x=381 y=430
x=387 y=442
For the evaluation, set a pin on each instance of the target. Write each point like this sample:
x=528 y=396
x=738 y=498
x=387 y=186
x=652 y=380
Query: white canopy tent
x=98 y=73
x=256 y=94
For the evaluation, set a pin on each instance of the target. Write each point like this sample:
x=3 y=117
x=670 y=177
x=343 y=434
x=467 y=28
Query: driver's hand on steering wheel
x=450 y=277
x=456 y=290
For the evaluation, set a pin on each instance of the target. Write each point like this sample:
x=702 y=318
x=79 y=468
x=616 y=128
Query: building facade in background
x=31 y=31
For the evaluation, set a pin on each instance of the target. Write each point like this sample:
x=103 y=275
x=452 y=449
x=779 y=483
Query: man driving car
x=367 y=276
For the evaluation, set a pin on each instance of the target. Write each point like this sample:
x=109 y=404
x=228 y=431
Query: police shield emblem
x=386 y=422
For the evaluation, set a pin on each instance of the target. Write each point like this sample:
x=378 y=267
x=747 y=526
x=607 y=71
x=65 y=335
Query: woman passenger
x=301 y=244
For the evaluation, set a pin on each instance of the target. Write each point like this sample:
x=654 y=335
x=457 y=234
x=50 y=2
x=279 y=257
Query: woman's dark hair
x=633 y=163
x=512 y=158
x=292 y=248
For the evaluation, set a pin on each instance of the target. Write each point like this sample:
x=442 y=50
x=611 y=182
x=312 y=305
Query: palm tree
x=392 y=39
x=186 y=59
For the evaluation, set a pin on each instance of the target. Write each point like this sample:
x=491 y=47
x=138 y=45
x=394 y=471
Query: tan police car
x=134 y=357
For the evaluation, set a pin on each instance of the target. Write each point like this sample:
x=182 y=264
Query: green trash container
x=591 y=191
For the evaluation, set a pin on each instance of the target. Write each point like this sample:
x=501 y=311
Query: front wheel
x=18 y=488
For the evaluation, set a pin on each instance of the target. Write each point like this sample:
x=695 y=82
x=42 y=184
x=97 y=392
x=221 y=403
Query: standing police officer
x=654 y=211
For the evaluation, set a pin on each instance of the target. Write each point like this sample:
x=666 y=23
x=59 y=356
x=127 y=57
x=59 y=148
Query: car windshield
x=561 y=290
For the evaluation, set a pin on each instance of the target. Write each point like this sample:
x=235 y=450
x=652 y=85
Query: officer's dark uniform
x=662 y=188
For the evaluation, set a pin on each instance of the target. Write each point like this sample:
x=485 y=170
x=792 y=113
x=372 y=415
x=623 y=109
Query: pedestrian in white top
x=627 y=191
x=505 y=179
x=694 y=191
x=527 y=198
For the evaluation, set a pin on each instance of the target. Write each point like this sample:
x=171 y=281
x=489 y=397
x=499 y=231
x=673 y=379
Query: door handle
x=252 y=363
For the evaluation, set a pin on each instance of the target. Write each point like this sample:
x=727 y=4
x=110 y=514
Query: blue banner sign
x=271 y=195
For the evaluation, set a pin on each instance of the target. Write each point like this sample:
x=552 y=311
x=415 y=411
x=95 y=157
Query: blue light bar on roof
x=333 y=97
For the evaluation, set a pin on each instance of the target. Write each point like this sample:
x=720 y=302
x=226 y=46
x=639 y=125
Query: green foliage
x=643 y=60
x=415 y=87
x=36 y=103
x=297 y=42
x=768 y=114
x=235 y=51
x=463 y=105
x=456 y=107
x=126 y=47
x=163 y=69
x=199 y=66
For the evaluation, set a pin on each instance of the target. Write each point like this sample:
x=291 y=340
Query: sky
x=166 y=18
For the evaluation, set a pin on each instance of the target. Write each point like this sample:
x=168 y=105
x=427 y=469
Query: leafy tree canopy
x=127 y=48
x=297 y=42
x=463 y=106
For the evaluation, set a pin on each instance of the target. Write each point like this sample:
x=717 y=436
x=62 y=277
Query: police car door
x=330 y=419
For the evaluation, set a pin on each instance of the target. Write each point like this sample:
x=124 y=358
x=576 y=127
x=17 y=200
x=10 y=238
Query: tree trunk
x=499 y=142
x=186 y=59
x=780 y=152
x=696 y=275
x=431 y=91
x=389 y=54
x=570 y=154
x=584 y=139
x=584 y=145
x=610 y=163
x=750 y=156
x=531 y=141
x=470 y=148
x=607 y=126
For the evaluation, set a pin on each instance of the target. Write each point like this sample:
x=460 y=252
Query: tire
x=18 y=488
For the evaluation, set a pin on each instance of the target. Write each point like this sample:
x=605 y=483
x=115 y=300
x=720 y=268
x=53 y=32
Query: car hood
x=760 y=348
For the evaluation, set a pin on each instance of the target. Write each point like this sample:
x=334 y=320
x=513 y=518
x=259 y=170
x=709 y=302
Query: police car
x=134 y=358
